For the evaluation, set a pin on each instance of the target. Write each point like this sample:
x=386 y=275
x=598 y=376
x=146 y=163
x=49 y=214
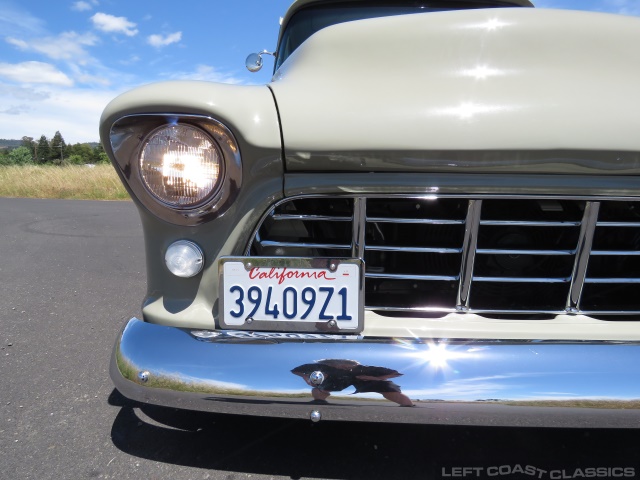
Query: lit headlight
x=181 y=165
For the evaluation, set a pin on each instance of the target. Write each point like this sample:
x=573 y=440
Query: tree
x=82 y=150
x=57 y=149
x=30 y=144
x=43 y=150
x=20 y=156
x=99 y=155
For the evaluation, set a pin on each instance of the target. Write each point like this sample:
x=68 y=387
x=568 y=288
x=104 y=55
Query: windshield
x=309 y=20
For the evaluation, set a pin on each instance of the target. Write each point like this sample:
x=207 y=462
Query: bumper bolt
x=316 y=378
x=143 y=376
x=315 y=416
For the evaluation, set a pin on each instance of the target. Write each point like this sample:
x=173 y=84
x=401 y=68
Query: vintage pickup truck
x=433 y=204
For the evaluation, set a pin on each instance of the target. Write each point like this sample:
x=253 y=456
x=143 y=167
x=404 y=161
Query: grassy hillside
x=70 y=182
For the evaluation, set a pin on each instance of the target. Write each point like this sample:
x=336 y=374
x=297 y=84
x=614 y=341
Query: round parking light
x=184 y=259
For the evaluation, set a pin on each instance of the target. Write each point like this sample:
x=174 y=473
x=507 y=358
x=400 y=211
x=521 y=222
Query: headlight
x=181 y=165
x=184 y=169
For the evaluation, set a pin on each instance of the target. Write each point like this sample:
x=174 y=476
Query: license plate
x=292 y=294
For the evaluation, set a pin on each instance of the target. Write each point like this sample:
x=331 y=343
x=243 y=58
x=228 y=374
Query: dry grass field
x=69 y=182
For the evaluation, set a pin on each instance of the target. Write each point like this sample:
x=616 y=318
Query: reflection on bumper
x=495 y=383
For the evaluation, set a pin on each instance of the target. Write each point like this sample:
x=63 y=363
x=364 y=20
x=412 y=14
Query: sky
x=61 y=62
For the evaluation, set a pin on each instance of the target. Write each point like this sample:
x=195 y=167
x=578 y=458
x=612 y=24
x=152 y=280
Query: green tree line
x=52 y=152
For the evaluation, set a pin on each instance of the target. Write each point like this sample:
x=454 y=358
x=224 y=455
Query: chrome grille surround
x=435 y=255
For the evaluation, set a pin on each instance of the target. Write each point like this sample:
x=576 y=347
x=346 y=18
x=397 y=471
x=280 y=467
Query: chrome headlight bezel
x=130 y=134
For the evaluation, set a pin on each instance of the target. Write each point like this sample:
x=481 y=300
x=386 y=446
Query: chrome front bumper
x=491 y=383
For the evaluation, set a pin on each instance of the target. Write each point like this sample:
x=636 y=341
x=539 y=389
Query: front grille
x=437 y=255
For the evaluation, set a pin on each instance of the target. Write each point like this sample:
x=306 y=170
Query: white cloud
x=159 y=41
x=34 y=72
x=112 y=24
x=16 y=110
x=16 y=42
x=206 y=73
x=15 y=21
x=133 y=59
x=82 y=76
x=81 y=6
x=22 y=92
x=74 y=112
x=66 y=46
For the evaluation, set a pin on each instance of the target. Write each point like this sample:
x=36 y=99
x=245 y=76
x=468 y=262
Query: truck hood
x=498 y=89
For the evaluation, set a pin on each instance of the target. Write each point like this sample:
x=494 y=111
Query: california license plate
x=292 y=294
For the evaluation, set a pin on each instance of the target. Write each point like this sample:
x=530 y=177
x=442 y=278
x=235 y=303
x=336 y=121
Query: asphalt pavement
x=72 y=272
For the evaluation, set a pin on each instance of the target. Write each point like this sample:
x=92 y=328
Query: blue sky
x=61 y=62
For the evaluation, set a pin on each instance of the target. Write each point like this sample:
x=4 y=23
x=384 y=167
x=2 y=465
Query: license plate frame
x=272 y=275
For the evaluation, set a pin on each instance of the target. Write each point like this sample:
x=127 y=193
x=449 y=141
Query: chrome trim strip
x=526 y=223
x=612 y=280
x=400 y=276
x=618 y=224
x=585 y=243
x=389 y=248
x=612 y=313
x=443 y=310
x=616 y=252
x=496 y=251
x=242 y=373
x=423 y=221
x=462 y=185
x=312 y=218
x=488 y=311
x=521 y=279
x=469 y=245
x=359 y=227
x=269 y=243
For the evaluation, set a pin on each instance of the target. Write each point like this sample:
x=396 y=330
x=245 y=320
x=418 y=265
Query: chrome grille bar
x=328 y=246
x=423 y=221
x=496 y=251
x=472 y=224
x=619 y=224
x=391 y=248
x=312 y=218
x=400 y=276
x=621 y=253
x=359 y=227
x=526 y=223
x=521 y=280
x=613 y=280
x=585 y=243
